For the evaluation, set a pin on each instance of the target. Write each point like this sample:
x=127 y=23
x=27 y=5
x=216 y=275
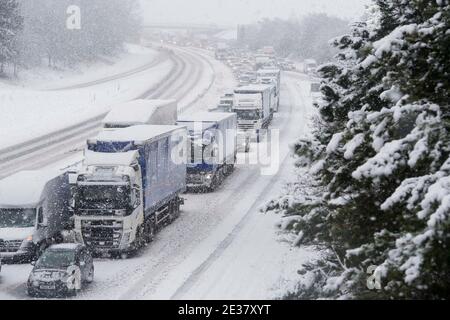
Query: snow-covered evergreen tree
x=10 y=25
x=380 y=152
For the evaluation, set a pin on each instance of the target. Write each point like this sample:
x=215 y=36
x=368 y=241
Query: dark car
x=61 y=270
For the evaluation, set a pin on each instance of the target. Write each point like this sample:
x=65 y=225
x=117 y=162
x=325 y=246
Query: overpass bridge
x=209 y=28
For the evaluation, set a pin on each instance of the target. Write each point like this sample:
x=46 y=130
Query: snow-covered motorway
x=221 y=247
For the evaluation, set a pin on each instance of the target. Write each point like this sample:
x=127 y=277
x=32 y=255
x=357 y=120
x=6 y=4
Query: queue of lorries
x=129 y=184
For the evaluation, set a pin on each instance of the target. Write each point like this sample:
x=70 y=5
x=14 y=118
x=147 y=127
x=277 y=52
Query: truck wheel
x=139 y=242
x=40 y=249
x=149 y=230
x=177 y=208
x=214 y=184
x=174 y=211
x=90 y=276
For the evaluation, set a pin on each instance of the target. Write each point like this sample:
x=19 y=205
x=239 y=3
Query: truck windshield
x=17 y=218
x=103 y=197
x=56 y=259
x=248 y=114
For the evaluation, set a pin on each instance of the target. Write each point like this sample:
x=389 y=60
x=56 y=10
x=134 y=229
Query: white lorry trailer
x=226 y=103
x=253 y=106
x=129 y=186
x=141 y=112
x=271 y=76
x=34 y=210
x=213 y=148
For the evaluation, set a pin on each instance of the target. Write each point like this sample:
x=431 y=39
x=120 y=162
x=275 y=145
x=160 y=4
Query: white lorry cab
x=253 y=106
x=213 y=148
x=34 y=210
x=142 y=112
x=310 y=66
x=129 y=185
x=262 y=59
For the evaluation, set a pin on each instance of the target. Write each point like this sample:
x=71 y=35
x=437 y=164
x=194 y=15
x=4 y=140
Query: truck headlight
x=120 y=213
x=27 y=243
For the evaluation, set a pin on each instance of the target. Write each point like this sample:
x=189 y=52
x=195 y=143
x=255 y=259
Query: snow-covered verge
x=29 y=112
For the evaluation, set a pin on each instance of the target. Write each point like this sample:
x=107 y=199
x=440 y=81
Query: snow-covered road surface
x=221 y=247
x=189 y=72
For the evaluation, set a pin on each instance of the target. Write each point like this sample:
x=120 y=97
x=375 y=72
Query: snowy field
x=221 y=246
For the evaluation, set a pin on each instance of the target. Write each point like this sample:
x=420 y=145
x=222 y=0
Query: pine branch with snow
x=381 y=153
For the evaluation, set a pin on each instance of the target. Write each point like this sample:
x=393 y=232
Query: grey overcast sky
x=232 y=12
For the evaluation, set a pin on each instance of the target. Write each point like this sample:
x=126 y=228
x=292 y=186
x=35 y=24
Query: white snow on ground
x=44 y=78
x=28 y=113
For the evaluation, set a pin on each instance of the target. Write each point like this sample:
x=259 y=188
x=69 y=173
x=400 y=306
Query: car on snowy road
x=61 y=270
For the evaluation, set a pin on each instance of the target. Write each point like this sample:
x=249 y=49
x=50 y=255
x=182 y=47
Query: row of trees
x=10 y=25
x=379 y=160
x=36 y=32
x=305 y=38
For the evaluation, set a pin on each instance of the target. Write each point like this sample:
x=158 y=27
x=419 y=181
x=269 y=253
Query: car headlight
x=33 y=280
x=60 y=275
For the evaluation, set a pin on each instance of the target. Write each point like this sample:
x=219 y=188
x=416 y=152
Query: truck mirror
x=40 y=216
x=42 y=225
